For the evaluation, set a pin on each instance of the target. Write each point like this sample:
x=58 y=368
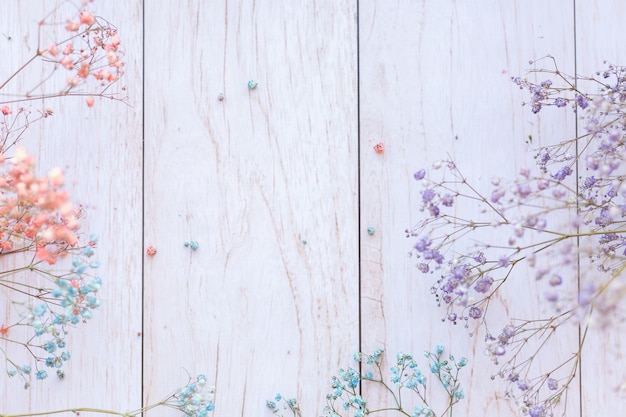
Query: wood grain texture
x=599 y=28
x=435 y=84
x=266 y=182
x=101 y=151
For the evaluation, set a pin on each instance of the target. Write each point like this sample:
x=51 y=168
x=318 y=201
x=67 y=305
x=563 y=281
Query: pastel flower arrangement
x=563 y=220
x=405 y=386
x=52 y=282
x=49 y=280
x=558 y=227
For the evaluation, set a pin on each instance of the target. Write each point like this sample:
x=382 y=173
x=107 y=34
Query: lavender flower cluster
x=559 y=226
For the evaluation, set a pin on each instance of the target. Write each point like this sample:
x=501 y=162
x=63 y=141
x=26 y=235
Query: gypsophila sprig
x=279 y=403
x=53 y=282
x=406 y=387
x=49 y=279
x=563 y=220
x=82 y=57
x=196 y=399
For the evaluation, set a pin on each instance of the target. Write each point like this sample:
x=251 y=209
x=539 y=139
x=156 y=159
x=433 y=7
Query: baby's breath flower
x=469 y=264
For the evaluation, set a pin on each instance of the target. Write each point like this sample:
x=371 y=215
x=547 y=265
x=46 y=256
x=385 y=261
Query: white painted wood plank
x=266 y=182
x=599 y=28
x=100 y=150
x=435 y=81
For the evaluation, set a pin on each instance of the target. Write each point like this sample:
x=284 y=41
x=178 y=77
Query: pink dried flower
x=53 y=49
x=86 y=18
x=72 y=26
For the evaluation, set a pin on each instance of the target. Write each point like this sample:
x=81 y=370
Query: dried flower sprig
x=89 y=52
x=405 y=379
x=564 y=222
x=52 y=283
x=196 y=399
x=49 y=279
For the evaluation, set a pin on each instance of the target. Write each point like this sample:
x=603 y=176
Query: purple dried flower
x=536 y=107
x=580 y=100
x=589 y=181
x=447 y=200
x=542 y=185
x=562 y=173
x=483 y=284
x=475 y=312
x=555 y=280
x=592 y=164
x=608 y=237
x=419 y=175
x=422 y=244
x=615 y=136
x=449 y=286
x=560 y=102
x=507 y=333
x=428 y=195
x=497 y=194
x=480 y=258
x=553 y=384
x=431 y=254
x=537 y=411
x=604 y=219
x=541 y=224
x=523 y=190
x=525 y=172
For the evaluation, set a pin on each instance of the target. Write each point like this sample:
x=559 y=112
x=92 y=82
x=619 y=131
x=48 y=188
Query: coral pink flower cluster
x=35 y=212
x=93 y=50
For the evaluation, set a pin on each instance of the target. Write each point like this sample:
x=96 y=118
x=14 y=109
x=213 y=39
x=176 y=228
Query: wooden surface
x=266 y=182
x=279 y=184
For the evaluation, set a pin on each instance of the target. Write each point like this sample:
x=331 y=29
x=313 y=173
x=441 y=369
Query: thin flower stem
x=378 y=410
x=27 y=63
x=72 y=410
